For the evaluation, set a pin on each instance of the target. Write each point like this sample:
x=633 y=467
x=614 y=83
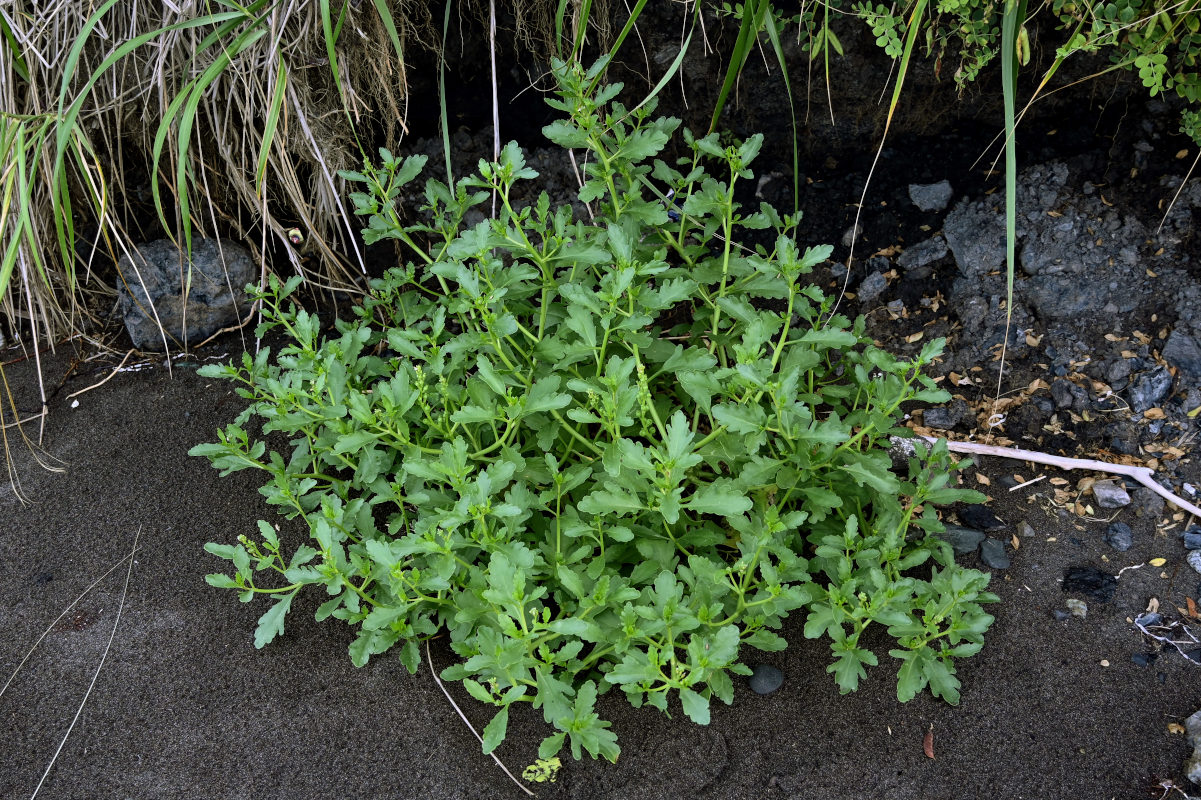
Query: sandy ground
x=185 y=707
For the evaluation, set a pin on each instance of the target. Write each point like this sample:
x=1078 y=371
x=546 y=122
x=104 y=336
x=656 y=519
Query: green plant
x=602 y=454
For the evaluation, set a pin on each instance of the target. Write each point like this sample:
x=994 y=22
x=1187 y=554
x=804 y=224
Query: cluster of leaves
x=602 y=454
x=1159 y=39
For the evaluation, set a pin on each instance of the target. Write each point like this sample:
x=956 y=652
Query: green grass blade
x=672 y=69
x=560 y=18
x=1011 y=21
x=18 y=61
x=445 y=120
x=631 y=22
x=271 y=125
x=330 y=35
x=769 y=24
x=187 y=120
x=577 y=46
x=748 y=32
x=11 y=137
x=68 y=115
x=390 y=26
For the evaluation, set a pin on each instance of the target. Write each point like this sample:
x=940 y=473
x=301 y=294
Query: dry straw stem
x=244 y=112
x=429 y=660
x=103 y=657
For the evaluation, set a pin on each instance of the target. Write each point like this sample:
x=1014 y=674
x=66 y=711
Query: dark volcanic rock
x=993 y=554
x=931 y=196
x=980 y=518
x=1184 y=351
x=962 y=540
x=153 y=287
x=872 y=287
x=923 y=254
x=1119 y=536
x=947 y=417
x=1149 y=388
x=1091 y=582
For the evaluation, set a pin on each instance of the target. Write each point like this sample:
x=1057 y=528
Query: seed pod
x=1023 y=46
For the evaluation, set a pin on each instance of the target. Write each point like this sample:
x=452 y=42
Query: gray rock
x=1025 y=529
x=924 y=253
x=1192 y=767
x=962 y=540
x=931 y=196
x=1119 y=536
x=946 y=417
x=1117 y=370
x=1149 y=388
x=1110 y=494
x=1067 y=297
x=1192 y=538
x=993 y=554
x=1061 y=390
x=1184 y=351
x=1146 y=503
x=765 y=679
x=871 y=288
x=851 y=234
x=1194 y=560
x=975 y=233
x=153 y=283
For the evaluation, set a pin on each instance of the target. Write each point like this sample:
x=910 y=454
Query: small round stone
x=765 y=679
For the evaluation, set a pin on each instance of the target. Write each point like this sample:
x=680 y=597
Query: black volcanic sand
x=186 y=707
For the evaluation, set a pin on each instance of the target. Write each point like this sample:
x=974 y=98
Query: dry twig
x=1143 y=475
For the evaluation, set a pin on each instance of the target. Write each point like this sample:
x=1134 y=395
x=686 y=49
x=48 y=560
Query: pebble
x=1192 y=767
x=1192 y=537
x=1147 y=503
x=1111 y=495
x=1079 y=608
x=931 y=196
x=1119 y=536
x=923 y=254
x=1194 y=559
x=1061 y=390
x=871 y=288
x=980 y=518
x=1094 y=583
x=851 y=234
x=993 y=554
x=1149 y=389
x=1144 y=659
x=962 y=540
x=765 y=679
x=1025 y=529
x=942 y=418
